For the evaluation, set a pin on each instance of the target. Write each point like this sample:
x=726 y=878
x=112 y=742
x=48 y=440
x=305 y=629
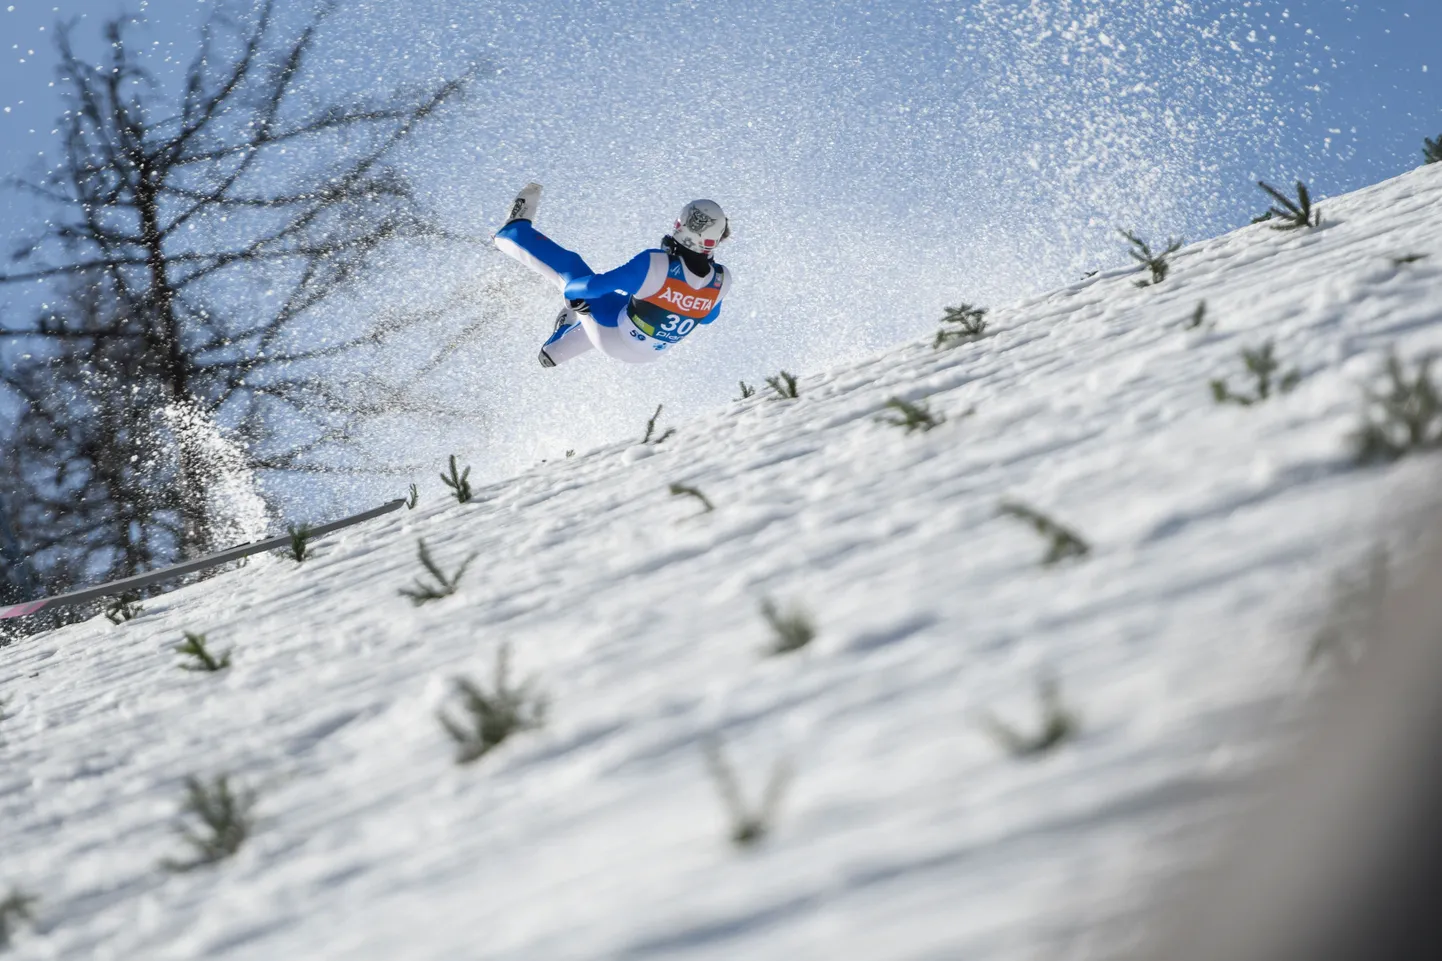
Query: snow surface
x=907 y=833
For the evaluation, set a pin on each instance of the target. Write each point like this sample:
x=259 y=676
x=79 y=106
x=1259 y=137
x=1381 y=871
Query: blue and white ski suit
x=637 y=311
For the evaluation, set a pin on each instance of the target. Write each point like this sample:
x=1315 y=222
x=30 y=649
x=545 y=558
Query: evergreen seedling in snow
x=1198 y=318
x=784 y=384
x=225 y=822
x=1290 y=214
x=1353 y=615
x=748 y=825
x=682 y=490
x=651 y=428
x=15 y=909
x=459 y=483
x=1262 y=365
x=1058 y=725
x=1062 y=542
x=746 y=391
x=490 y=717
x=1156 y=263
x=570 y=453
x=299 y=548
x=1405 y=416
x=960 y=325
x=443 y=587
x=414 y=498
x=1432 y=149
x=793 y=629
x=194 y=647
x=911 y=417
x=124 y=608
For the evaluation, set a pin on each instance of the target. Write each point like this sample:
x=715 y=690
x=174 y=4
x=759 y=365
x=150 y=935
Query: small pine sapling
x=749 y=825
x=1290 y=214
x=961 y=325
x=16 y=908
x=202 y=660
x=746 y=391
x=1354 y=614
x=414 y=498
x=1062 y=542
x=791 y=630
x=571 y=453
x=1156 y=263
x=444 y=585
x=124 y=608
x=683 y=490
x=1058 y=725
x=490 y=717
x=1404 y=417
x=459 y=483
x=225 y=817
x=651 y=437
x=299 y=548
x=1432 y=149
x=1198 y=320
x=1262 y=365
x=911 y=417
x=784 y=385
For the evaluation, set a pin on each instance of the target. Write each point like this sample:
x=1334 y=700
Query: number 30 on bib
x=680 y=326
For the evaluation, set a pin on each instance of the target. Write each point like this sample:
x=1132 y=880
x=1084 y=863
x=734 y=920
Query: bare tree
x=194 y=240
x=16 y=579
x=101 y=495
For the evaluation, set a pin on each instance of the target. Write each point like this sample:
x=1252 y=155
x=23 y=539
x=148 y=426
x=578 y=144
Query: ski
x=187 y=567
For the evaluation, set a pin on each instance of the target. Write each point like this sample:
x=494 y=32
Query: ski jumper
x=637 y=311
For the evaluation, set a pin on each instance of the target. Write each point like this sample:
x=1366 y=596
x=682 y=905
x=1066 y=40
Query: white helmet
x=701 y=226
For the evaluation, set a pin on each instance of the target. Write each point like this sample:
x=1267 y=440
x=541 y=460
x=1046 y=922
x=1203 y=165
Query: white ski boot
x=565 y=320
x=527 y=202
x=563 y=323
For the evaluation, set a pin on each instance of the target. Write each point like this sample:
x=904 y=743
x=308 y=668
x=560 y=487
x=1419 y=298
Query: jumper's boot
x=527 y=202
x=565 y=321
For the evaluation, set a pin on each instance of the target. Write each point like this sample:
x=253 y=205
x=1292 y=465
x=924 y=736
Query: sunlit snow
x=907 y=832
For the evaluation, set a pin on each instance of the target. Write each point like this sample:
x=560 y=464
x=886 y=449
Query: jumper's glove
x=579 y=306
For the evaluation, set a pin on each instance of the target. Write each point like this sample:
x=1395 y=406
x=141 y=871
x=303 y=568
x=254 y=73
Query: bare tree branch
x=168 y=215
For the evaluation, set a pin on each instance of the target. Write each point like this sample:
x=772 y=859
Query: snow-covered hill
x=906 y=832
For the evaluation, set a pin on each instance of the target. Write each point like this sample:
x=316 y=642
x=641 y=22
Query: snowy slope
x=907 y=833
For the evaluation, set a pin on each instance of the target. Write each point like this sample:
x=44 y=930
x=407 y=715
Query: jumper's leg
x=520 y=240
